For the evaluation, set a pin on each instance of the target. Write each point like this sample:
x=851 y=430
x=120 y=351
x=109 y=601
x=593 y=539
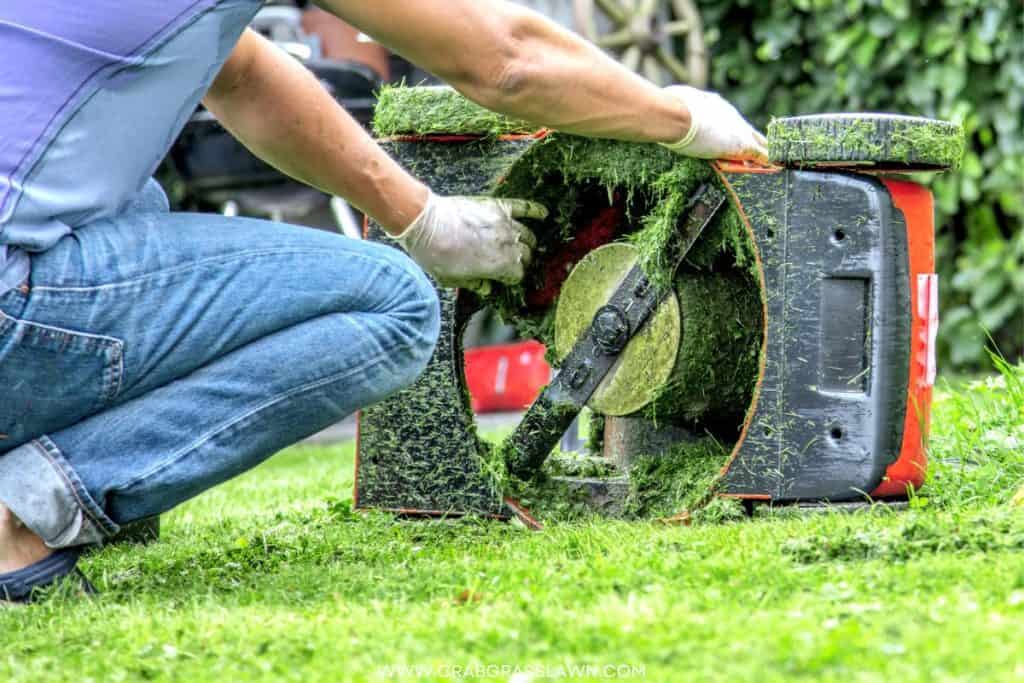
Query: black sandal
x=21 y=585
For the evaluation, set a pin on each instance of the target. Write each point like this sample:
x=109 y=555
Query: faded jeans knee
x=421 y=314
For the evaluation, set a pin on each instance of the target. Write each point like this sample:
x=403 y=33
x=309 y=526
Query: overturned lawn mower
x=740 y=332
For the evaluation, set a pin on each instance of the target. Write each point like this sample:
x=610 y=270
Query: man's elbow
x=512 y=74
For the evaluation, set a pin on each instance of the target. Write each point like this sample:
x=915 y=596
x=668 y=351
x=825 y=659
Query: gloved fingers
x=524 y=234
x=523 y=208
x=747 y=154
x=718 y=129
x=517 y=256
x=514 y=270
x=759 y=151
x=525 y=255
x=512 y=275
x=758 y=154
x=748 y=144
x=754 y=150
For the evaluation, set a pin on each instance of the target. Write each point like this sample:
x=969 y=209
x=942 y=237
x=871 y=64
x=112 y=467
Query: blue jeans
x=157 y=354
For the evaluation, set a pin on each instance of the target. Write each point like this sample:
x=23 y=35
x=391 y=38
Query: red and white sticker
x=928 y=315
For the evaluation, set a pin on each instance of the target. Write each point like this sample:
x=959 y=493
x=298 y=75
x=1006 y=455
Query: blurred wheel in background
x=662 y=40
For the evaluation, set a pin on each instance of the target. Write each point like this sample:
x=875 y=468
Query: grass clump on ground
x=273 y=577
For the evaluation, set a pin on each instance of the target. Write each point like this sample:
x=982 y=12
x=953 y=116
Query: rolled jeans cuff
x=39 y=486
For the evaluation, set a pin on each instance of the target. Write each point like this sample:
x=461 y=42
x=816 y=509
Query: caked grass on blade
x=273 y=577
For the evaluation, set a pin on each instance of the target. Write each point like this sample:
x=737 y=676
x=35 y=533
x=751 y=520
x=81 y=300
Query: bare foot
x=19 y=546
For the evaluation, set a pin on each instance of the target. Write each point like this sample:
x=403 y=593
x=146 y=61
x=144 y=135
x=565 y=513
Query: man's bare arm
x=284 y=116
x=513 y=60
x=279 y=111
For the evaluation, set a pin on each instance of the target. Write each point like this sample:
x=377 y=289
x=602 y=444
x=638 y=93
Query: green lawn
x=273 y=577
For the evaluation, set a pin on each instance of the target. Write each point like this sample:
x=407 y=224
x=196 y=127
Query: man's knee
x=420 y=312
x=401 y=306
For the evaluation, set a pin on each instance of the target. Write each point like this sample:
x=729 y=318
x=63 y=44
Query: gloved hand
x=463 y=241
x=717 y=130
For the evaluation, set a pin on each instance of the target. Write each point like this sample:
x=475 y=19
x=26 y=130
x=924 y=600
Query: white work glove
x=463 y=241
x=717 y=130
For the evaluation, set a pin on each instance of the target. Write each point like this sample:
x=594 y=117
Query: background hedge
x=956 y=59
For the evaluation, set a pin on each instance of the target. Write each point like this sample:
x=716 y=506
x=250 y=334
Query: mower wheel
x=885 y=141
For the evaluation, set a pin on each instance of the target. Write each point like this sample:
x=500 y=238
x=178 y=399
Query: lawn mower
x=757 y=333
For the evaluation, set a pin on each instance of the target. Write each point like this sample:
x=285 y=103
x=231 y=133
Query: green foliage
x=988 y=290
x=959 y=60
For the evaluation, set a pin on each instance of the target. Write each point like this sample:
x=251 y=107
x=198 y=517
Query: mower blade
x=598 y=349
x=703 y=205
